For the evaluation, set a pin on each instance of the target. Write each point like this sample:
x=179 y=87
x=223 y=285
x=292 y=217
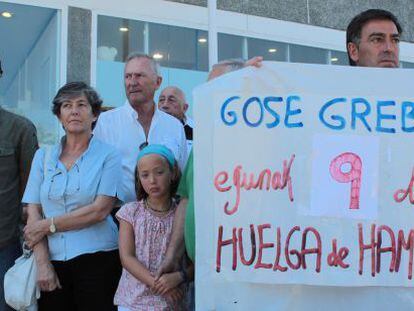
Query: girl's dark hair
x=75 y=89
x=176 y=175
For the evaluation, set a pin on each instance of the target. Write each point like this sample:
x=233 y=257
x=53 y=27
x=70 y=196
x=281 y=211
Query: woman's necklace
x=69 y=158
x=148 y=206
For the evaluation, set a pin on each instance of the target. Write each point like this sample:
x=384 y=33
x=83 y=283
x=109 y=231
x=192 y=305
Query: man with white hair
x=139 y=123
x=172 y=101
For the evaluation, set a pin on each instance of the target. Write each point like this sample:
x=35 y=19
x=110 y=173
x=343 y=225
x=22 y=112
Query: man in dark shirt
x=18 y=143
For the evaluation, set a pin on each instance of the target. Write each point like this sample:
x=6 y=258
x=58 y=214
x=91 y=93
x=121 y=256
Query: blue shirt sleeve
x=32 y=191
x=111 y=175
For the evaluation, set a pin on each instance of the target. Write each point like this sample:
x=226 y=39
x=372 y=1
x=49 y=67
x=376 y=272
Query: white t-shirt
x=120 y=127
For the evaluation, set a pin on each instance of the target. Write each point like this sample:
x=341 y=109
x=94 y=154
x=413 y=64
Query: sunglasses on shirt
x=143 y=145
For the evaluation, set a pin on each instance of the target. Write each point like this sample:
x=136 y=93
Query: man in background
x=172 y=101
x=372 y=39
x=138 y=122
x=18 y=144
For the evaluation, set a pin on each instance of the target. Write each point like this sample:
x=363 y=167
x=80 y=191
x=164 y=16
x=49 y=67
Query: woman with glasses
x=70 y=193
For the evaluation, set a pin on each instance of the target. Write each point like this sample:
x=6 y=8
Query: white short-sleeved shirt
x=120 y=128
x=95 y=172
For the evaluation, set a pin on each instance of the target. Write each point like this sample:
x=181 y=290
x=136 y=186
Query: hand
x=255 y=62
x=166 y=282
x=175 y=295
x=47 y=278
x=35 y=231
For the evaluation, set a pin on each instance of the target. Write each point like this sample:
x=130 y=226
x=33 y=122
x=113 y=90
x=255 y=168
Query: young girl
x=144 y=234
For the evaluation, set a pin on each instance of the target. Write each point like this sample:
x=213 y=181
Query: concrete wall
x=334 y=14
x=79 y=45
x=325 y=13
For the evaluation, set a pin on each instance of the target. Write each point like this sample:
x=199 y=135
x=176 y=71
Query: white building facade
x=51 y=42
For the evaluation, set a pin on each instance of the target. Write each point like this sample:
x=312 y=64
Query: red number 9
x=353 y=176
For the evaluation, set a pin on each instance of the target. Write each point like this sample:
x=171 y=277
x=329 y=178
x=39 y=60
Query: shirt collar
x=58 y=150
x=132 y=112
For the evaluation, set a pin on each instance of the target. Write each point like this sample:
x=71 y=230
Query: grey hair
x=230 y=64
x=178 y=90
x=155 y=66
x=76 y=89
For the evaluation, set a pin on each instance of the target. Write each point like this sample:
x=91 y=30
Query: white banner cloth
x=303 y=175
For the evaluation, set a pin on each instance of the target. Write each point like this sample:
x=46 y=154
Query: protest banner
x=304 y=175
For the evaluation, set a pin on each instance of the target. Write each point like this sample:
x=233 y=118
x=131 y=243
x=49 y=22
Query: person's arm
x=87 y=215
x=27 y=148
x=175 y=295
x=167 y=282
x=182 y=160
x=127 y=253
x=176 y=247
x=171 y=280
x=80 y=218
x=254 y=61
x=46 y=276
x=190 y=272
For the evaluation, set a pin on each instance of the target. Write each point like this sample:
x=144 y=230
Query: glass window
x=117 y=37
x=202 y=50
x=229 y=46
x=407 y=65
x=179 y=47
x=182 y=53
x=306 y=54
x=339 y=58
x=31 y=66
x=270 y=50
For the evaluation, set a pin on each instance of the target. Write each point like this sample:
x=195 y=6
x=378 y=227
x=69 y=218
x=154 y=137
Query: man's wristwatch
x=52 y=227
